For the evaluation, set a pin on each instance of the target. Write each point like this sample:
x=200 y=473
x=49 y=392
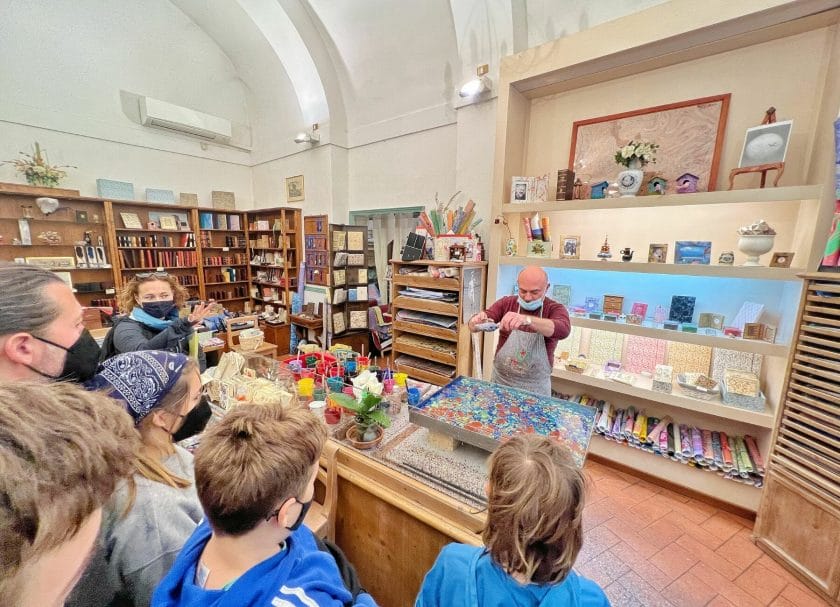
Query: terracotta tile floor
x=648 y=547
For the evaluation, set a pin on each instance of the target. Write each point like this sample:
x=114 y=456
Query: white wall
x=63 y=67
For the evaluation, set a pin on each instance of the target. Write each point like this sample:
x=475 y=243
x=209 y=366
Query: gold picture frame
x=294 y=188
x=782 y=259
x=168 y=222
x=658 y=252
x=570 y=246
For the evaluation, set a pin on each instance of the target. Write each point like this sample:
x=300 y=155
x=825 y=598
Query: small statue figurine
x=577 y=189
x=89 y=237
x=605 y=250
x=626 y=254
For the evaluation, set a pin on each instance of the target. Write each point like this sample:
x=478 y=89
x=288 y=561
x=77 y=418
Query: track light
x=312 y=137
x=478 y=85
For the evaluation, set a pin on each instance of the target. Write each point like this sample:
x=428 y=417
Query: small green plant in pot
x=370 y=419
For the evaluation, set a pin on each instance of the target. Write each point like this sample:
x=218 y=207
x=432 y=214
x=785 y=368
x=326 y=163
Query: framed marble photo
x=690 y=135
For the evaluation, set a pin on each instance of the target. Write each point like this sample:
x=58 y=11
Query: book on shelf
x=205 y=221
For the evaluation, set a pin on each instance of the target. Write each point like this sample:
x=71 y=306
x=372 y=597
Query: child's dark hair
x=535 y=508
x=254 y=457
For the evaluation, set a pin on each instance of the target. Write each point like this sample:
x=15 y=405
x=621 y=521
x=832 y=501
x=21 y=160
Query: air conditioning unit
x=163 y=115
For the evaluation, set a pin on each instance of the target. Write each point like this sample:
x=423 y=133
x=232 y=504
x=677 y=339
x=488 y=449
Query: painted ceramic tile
x=116 y=190
x=562 y=294
x=643 y=354
x=731 y=359
x=188 y=200
x=478 y=410
x=689 y=358
x=682 y=308
x=223 y=200
x=749 y=312
x=157 y=195
x=604 y=346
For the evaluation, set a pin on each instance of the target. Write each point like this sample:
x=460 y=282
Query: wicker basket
x=251 y=339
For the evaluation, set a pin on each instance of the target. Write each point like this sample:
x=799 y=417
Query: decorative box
x=754 y=330
x=709 y=320
x=577 y=365
x=753 y=403
x=610 y=317
x=613 y=304
x=741 y=383
x=635 y=319
x=612 y=366
x=688 y=327
x=732 y=332
x=595 y=315
x=670 y=325
x=688 y=382
x=663 y=379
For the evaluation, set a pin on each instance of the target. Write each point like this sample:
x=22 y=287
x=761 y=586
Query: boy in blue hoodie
x=255 y=476
x=532 y=537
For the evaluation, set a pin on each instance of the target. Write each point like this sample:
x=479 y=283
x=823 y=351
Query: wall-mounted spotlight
x=480 y=84
x=311 y=137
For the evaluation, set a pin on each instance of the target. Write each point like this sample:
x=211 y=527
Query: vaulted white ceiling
x=368 y=70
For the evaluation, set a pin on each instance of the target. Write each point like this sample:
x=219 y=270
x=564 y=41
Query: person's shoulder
x=457 y=555
x=589 y=593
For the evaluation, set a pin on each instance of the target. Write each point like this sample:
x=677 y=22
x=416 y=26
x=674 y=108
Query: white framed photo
x=520 y=190
x=766 y=144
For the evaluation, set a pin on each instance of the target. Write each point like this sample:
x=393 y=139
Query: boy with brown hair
x=255 y=475
x=62 y=452
x=532 y=536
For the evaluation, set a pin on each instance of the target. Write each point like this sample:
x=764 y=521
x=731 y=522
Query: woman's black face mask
x=195 y=421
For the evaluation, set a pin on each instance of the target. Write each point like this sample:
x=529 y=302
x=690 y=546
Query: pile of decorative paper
x=734 y=457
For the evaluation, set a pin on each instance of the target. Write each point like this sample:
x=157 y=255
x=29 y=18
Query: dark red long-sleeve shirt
x=550 y=309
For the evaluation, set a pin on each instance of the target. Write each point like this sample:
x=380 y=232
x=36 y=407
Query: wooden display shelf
x=218 y=229
x=155 y=268
x=740 y=495
x=426 y=353
x=714 y=341
x=425 y=305
x=226 y=248
x=235 y=282
x=158 y=231
x=232 y=298
x=423 y=375
x=729 y=197
x=716 y=271
x=421 y=329
x=427 y=282
x=157 y=247
x=641 y=389
x=56 y=221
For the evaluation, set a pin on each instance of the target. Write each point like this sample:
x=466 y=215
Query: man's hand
x=513 y=320
x=477 y=320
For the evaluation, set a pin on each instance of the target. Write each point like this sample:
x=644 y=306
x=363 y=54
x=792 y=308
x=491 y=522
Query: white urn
x=630 y=180
x=754 y=246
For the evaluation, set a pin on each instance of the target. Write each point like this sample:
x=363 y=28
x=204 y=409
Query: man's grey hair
x=24 y=305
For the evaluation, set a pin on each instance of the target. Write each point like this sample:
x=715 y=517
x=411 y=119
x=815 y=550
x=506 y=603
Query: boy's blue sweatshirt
x=298 y=576
x=466 y=576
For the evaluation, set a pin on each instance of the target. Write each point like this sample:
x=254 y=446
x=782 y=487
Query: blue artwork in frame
x=156 y=195
x=693 y=252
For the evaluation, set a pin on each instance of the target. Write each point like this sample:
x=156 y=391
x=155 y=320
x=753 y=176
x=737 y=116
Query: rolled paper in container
x=536 y=230
x=603 y=423
x=669 y=437
x=685 y=440
x=675 y=438
x=708 y=453
x=697 y=444
x=743 y=457
x=629 y=422
x=616 y=429
x=528 y=233
x=653 y=435
x=716 y=449
x=651 y=424
x=637 y=426
x=546 y=235
x=663 y=441
x=755 y=454
x=726 y=452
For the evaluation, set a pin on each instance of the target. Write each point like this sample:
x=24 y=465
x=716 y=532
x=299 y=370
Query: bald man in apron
x=530 y=325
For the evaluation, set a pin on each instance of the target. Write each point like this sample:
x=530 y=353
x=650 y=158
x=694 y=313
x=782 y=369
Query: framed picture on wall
x=294 y=188
x=689 y=133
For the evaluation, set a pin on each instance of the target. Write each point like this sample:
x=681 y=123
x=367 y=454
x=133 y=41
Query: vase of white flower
x=37 y=170
x=635 y=155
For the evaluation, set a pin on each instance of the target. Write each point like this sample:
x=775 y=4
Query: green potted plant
x=37 y=170
x=370 y=419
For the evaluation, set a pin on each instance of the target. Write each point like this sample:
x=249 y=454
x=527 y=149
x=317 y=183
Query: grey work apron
x=522 y=363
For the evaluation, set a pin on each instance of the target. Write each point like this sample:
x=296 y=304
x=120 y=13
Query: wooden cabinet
x=224 y=257
x=799 y=519
x=72 y=240
x=151 y=237
x=275 y=246
x=432 y=341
